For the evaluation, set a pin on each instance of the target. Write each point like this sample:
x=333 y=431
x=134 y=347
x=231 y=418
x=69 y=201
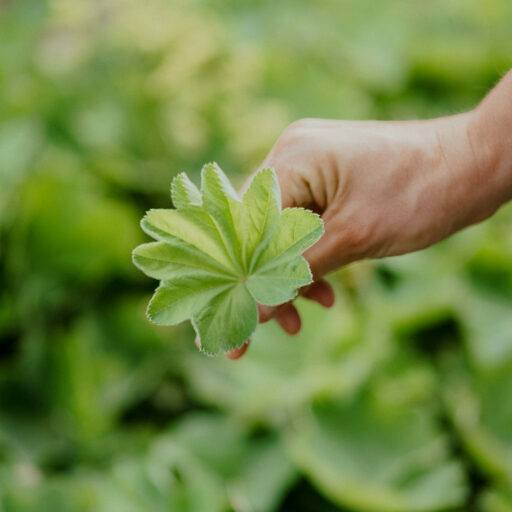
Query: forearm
x=490 y=135
x=474 y=173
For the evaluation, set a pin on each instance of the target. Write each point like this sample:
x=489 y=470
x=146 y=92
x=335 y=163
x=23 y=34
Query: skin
x=390 y=188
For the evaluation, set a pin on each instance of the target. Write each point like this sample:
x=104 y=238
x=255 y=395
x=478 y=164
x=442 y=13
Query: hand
x=383 y=189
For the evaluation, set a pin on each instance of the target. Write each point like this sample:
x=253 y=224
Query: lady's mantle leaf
x=217 y=255
x=379 y=457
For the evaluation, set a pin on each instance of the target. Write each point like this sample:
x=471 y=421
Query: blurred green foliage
x=397 y=399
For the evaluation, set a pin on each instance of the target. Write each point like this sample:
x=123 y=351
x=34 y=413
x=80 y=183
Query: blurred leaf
x=371 y=456
x=63 y=219
x=283 y=373
x=256 y=472
x=481 y=411
x=495 y=501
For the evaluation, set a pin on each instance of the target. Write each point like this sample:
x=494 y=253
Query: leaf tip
x=134 y=256
x=151 y=314
x=199 y=344
x=183 y=192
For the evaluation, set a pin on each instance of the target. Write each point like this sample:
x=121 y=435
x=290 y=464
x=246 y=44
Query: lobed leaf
x=367 y=455
x=217 y=255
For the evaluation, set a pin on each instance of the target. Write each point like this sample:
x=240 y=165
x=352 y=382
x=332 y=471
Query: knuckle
x=293 y=136
x=301 y=124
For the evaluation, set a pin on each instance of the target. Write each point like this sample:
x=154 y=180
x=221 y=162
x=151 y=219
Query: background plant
x=401 y=401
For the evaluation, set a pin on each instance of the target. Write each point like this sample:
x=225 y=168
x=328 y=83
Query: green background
x=397 y=399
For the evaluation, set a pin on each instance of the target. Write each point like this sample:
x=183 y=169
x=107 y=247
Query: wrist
x=461 y=174
x=479 y=178
x=490 y=133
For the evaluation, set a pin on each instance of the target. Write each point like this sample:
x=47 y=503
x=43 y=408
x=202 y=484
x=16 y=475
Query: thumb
x=328 y=253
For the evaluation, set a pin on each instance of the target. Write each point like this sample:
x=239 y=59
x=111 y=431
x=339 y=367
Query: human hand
x=382 y=189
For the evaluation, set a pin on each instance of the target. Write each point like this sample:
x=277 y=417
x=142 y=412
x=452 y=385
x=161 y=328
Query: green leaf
x=378 y=457
x=256 y=471
x=191 y=225
x=167 y=261
x=217 y=255
x=260 y=213
x=228 y=320
x=184 y=193
x=494 y=500
x=279 y=284
x=479 y=407
x=298 y=229
x=175 y=301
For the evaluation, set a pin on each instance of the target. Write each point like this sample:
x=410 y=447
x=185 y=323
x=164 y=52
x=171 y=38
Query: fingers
x=288 y=318
x=322 y=292
x=238 y=352
x=266 y=313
